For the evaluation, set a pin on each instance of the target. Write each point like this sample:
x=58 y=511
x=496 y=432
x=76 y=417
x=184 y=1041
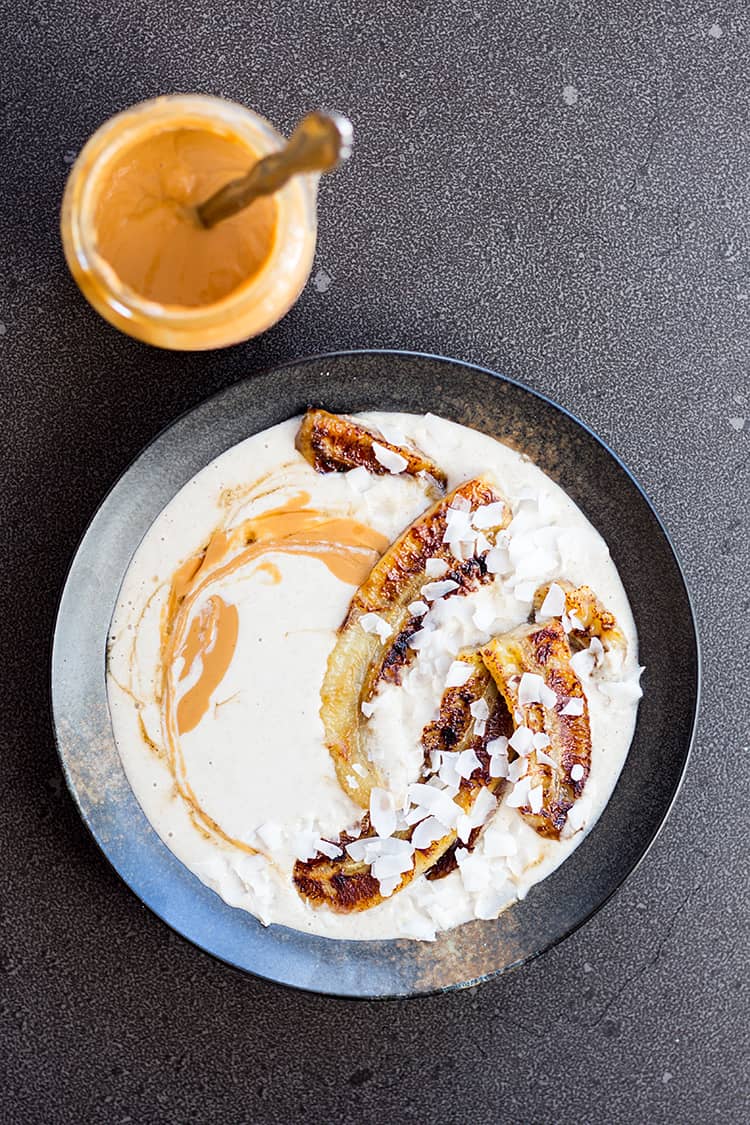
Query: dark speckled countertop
x=560 y=191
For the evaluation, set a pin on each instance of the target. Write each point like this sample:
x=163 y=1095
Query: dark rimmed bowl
x=598 y=482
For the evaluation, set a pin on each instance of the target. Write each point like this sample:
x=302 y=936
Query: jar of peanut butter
x=136 y=250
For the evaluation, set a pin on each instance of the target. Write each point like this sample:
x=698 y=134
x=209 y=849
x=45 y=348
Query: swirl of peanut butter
x=200 y=629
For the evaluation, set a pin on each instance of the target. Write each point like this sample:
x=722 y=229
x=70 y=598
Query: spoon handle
x=319 y=143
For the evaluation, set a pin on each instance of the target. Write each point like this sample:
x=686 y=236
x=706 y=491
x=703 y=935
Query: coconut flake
x=436 y=801
x=542 y=757
x=530 y=689
x=374 y=623
x=433 y=590
x=389 y=459
x=574 y=706
x=367 y=709
x=388 y=886
x=583 y=662
x=522 y=740
x=498 y=561
x=467 y=763
x=554 y=602
x=479 y=709
x=358 y=769
x=519 y=794
x=479 y=813
x=474 y=873
x=498 y=751
x=577 y=772
x=436 y=568
x=578 y=814
x=419 y=639
x=458 y=673
x=271 y=835
x=448 y=772
x=481 y=713
x=517 y=769
x=524 y=591
x=382 y=812
x=491 y=901
x=535 y=798
x=359 y=480
x=484 y=618
x=541 y=740
x=306 y=844
x=459 y=504
x=489 y=515
x=621 y=691
x=427 y=832
x=418 y=609
x=392 y=434
x=333 y=851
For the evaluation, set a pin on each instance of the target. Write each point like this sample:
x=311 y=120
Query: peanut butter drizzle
x=345 y=546
x=272 y=571
x=212 y=636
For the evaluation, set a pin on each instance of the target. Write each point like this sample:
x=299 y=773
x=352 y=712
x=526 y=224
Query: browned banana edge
x=593 y=618
x=544 y=651
x=360 y=660
x=333 y=443
x=347 y=886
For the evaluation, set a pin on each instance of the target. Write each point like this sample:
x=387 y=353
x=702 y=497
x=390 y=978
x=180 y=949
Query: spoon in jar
x=318 y=144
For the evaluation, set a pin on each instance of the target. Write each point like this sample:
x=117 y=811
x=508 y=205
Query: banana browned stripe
x=333 y=443
x=544 y=651
x=595 y=619
x=360 y=660
x=348 y=886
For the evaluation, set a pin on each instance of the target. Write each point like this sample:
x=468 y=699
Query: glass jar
x=255 y=304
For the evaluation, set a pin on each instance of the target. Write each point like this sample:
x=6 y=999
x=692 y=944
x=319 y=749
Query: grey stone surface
x=559 y=191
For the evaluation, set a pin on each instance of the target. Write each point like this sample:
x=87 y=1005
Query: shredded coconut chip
x=554 y=602
x=374 y=623
x=389 y=459
x=433 y=590
x=535 y=798
x=333 y=851
x=382 y=812
x=458 y=673
x=359 y=479
x=574 y=706
x=467 y=763
x=436 y=568
x=427 y=832
x=522 y=740
x=489 y=515
x=418 y=609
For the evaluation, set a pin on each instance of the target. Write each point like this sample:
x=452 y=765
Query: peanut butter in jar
x=133 y=242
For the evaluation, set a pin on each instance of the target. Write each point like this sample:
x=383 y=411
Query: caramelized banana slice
x=531 y=667
x=333 y=444
x=351 y=883
x=373 y=641
x=588 y=616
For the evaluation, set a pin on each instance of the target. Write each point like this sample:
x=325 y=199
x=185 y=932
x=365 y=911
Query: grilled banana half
x=531 y=668
x=334 y=444
x=350 y=883
x=373 y=641
x=588 y=617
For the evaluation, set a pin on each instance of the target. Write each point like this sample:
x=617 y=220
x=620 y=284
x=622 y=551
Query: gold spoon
x=319 y=143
